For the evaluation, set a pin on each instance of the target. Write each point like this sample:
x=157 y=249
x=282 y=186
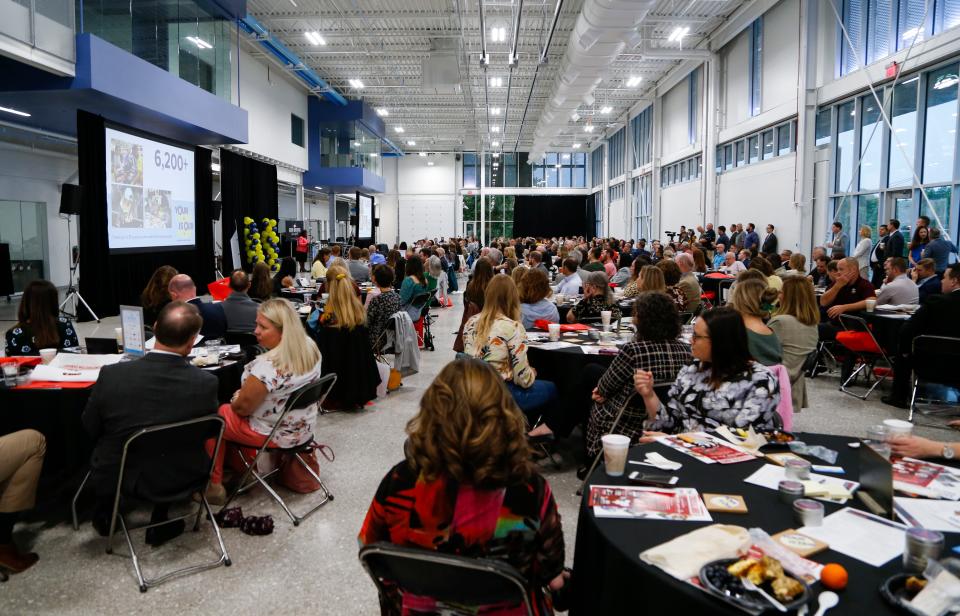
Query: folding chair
x=723 y=291
x=421 y=303
x=157 y=445
x=452 y=580
x=686 y=317
x=248 y=344
x=308 y=395
x=858 y=338
x=823 y=357
x=935 y=361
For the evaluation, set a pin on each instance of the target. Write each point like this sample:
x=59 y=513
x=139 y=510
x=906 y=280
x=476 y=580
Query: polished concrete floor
x=312 y=568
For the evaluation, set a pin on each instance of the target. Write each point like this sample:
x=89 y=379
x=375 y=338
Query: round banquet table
x=886 y=328
x=611 y=579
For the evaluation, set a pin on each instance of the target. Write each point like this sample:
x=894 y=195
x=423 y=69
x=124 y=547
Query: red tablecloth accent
x=541 y=324
x=56 y=385
x=25 y=360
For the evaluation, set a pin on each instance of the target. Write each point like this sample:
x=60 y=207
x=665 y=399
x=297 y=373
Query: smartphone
x=648 y=479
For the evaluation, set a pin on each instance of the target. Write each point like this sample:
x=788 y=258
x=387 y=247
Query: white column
x=804 y=182
x=710 y=132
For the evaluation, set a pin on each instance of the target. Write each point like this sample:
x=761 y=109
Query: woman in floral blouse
x=497 y=337
x=597 y=297
x=468 y=488
x=723 y=387
x=39 y=325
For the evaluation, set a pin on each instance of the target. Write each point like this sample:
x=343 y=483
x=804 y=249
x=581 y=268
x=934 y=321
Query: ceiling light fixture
x=606 y=109
x=383 y=112
x=498 y=34
x=199 y=42
x=373 y=154
x=411 y=142
x=430 y=163
x=355 y=83
x=399 y=129
x=634 y=81
x=15 y=111
x=496 y=82
x=575 y=117
x=496 y=154
x=215 y=167
x=576 y=146
x=588 y=128
x=315 y=38
x=495 y=144
x=495 y=111
x=678 y=33
x=319 y=187
x=423 y=153
x=494 y=129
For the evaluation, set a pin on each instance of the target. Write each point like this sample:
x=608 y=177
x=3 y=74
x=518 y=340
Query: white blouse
x=298 y=425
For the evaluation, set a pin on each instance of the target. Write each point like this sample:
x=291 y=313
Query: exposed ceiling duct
x=603 y=30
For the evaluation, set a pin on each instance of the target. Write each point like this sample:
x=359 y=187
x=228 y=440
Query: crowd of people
x=471 y=443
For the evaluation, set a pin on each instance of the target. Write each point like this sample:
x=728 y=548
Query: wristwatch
x=948 y=452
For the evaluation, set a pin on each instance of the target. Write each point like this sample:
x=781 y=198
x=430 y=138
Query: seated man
x=720 y=257
x=570 y=282
x=688 y=281
x=535 y=261
x=239 y=309
x=21 y=458
x=849 y=293
x=936 y=317
x=183 y=289
x=926 y=278
x=358 y=270
x=595 y=260
x=898 y=288
x=375 y=257
x=731 y=266
x=819 y=272
x=160 y=388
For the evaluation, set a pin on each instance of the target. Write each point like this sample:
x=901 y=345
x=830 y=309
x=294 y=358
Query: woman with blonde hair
x=862 y=251
x=466 y=452
x=517 y=273
x=342 y=335
x=754 y=301
x=155 y=295
x=292 y=361
x=798 y=266
x=795 y=324
x=497 y=337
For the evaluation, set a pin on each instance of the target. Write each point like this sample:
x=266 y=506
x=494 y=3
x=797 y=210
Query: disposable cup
x=47 y=355
x=118 y=333
x=871 y=304
x=897 y=428
x=554 y=330
x=605 y=316
x=615 y=447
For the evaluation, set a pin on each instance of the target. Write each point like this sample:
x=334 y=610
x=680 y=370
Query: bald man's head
x=182 y=288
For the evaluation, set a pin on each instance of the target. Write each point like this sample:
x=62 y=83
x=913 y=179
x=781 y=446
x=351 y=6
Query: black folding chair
x=306 y=396
x=421 y=302
x=452 y=580
x=723 y=291
x=248 y=344
x=935 y=362
x=150 y=450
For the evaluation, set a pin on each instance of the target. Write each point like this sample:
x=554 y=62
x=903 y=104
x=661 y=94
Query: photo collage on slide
x=131 y=205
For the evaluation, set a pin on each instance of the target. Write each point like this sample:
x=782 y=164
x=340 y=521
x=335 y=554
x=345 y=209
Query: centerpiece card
x=799 y=543
x=640 y=502
x=725 y=503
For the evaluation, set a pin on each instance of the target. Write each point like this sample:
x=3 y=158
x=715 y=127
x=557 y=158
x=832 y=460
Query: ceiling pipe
x=669 y=53
x=553 y=28
x=484 y=58
x=516 y=35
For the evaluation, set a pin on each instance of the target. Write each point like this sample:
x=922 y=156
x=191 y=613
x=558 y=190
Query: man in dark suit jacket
x=769 y=242
x=928 y=283
x=895 y=243
x=936 y=317
x=240 y=310
x=182 y=288
x=160 y=388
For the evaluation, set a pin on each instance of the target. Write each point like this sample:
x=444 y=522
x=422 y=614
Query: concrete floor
x=314 y=567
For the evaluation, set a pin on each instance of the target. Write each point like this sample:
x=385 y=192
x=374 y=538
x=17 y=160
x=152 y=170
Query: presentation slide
x=150 y=195
x=365 y=216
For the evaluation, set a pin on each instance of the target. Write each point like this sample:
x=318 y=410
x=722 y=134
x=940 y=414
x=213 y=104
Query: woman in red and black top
x=301 y=250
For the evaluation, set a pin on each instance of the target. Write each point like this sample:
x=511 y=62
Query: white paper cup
x=897 y=428
x=118 y=332
x=615 y=448
x=47 y=355
x=559 y=298
x=605 y=316
x=871 y=304
x=554 y=330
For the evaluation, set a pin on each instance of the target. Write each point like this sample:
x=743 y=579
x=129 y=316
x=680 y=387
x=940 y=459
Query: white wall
x=28 y=176
x=679 y=205
x=780 y=58
x=762 y=193
x=422 y=188
x=736 y=80
x=386 y=204
x=270 y=97
x=674 y=127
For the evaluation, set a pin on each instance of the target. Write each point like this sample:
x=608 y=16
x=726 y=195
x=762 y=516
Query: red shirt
x=302 y=244
x=856 y=292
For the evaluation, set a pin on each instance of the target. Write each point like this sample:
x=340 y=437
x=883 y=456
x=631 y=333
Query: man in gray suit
x=162 y=387
x=241 y=311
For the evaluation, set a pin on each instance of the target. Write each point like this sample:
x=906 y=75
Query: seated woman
x=21 y=458
x=396 y=261
x=624 y=270
x=497 y=337
x=723 y=387
x=344 y=341
x=319 y=267
x=382 y=307
x=760 y=263
x=292 y=360
x=467 y=486
x=261 y=284
x=795 y=324
x=654 y=348
x=473 y=297
x=39 y=324
x=671 y=277
x=414 y=285
x=651 y=279
x=597 y=297
x=534 y=290
x=284 y=277
x=754 y=301
x=155 y=295
x=632 y=286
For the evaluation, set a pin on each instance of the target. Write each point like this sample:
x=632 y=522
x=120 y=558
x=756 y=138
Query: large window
x=903 y=139
x=596 y=166
x=561 y=170
x=471 y=170
x=499 y=217
x=756 y=65
x=693 y=82
x=642 y=133
x=941 y=125
x=615 y=151
x=642 y=193
x=776 y=141
x=844 y=158
x=870 y=143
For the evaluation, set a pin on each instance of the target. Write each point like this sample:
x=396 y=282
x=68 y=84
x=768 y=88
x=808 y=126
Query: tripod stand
x=73 y=293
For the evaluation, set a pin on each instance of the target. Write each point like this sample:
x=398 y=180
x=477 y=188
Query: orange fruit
x=834 y=576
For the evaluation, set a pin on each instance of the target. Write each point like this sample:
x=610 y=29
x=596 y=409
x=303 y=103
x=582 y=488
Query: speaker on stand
x=216 y=207
x=71 y=201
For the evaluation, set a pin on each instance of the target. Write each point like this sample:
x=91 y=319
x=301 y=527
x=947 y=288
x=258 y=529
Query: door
x=23 y=225
x=900 y=205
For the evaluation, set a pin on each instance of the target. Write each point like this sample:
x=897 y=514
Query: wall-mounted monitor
x=364 y=216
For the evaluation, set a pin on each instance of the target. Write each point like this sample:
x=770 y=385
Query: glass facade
x=683 y=171
x=642 y=194
x=641 y=129
x=596 y=166
x=779 y=140
x=178 y=36
x=349 y=144
x=756 y=66
x=23 y=225
x=615 y=152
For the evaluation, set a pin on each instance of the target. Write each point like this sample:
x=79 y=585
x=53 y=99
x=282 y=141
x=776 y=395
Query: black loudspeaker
x=376 y=222
x=71 y=196
x=215 y=208
x=354 y=221
x=457 y=156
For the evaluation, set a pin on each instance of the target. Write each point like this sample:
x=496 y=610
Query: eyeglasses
x=695 y=336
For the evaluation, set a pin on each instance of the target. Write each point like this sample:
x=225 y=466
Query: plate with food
x=900 y=589
x=778 y=438
x=726 y=577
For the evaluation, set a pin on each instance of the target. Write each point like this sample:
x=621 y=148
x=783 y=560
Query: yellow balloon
x=272 y=262
x=247 y=220
x=256 y=236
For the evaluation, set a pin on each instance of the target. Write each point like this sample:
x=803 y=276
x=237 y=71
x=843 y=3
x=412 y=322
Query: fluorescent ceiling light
x=383 y=111
x=355 y=83
x=495 y=144
x=199 y=42
x=576 y=146
x=496 y=82
x=494 y=129
x=606 y=109
x=945 y=81
x=430 y=163
x=411 y=142
x=319 y=187
x=557 y=165
x=588 y=128
x=494 y=111
x=423 y=153
x=373 y=154
x=678 y=33
x=498 y=35
x=215 y=167
x=399 y=129
x=496 y=154
x=15 y=112
x=575 y=117
x=634 y=81
x=356 y=144
x=315 y=38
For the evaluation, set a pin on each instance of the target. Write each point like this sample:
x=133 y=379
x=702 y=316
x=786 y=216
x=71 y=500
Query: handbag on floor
x=296 y=478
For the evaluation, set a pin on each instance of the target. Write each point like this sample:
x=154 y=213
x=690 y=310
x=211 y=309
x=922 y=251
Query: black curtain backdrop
x=107 y=281
x=550 y=216
x=247 y=188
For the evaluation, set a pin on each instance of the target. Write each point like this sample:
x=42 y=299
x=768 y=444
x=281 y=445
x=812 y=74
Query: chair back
x=168 y=462
x=310 y=394
x=244 y=339
x=935 y=359
x=446 y=578
x=723 y=291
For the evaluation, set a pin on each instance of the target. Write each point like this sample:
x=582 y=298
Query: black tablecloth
x=611 y=579
x=886 y=329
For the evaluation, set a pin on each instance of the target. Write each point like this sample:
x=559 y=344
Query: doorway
x=900 y=205
x=23 y=225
